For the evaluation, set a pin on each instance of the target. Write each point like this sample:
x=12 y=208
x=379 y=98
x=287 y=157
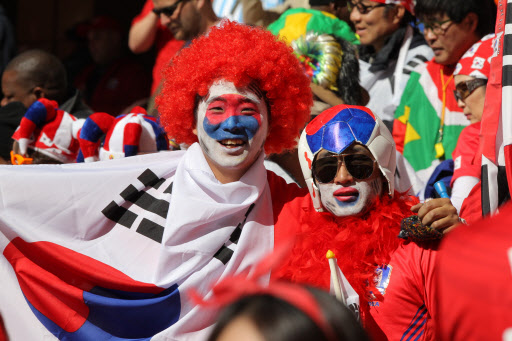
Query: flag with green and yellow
x=428 y=121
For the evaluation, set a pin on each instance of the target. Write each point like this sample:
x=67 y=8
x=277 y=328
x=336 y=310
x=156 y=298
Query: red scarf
x=360 y=244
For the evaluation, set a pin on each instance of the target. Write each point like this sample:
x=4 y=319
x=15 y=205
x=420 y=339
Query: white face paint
x=345 y=196
x=232 y=125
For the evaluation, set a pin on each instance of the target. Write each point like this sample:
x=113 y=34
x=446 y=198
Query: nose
x=343 y=176
x=355 y=16
x=233 y=125
x=429 y=35
x=461 y=103
x=164 y=20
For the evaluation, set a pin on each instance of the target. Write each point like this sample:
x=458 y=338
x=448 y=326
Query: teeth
x=234 y=142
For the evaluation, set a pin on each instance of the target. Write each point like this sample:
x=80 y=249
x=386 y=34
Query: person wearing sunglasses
x=471 y=75
x=390 y=48
x=428 y=120
x=347 y=156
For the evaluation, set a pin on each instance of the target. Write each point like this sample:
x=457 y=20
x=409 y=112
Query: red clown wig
x=243 y=55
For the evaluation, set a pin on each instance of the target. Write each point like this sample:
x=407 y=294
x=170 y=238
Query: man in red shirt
x=347 y=156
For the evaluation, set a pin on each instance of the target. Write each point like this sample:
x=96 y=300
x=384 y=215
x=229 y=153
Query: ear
x=399 y=14
x=471 y=22
x=39 y=92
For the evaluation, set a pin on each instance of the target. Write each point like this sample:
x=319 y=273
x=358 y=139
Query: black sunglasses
x=168 y=11
x=466 y=88
x=359 y=166
x=363 y=9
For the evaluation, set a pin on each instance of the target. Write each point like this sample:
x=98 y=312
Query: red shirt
x=474 y=280
x=465 y=154
x=409 y=296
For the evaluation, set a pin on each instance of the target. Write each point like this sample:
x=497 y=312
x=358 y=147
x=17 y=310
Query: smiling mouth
x=233 y=143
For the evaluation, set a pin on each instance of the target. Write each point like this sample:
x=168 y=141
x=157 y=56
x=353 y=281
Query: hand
x=439 y=214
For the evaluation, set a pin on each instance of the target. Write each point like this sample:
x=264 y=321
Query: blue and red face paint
x=232 y=116
x=79 y=298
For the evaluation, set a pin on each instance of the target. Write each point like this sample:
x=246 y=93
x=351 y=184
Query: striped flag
x=496 y=133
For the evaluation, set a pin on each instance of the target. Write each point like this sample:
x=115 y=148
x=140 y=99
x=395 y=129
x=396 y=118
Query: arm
x=461 y=188
x=143 y=32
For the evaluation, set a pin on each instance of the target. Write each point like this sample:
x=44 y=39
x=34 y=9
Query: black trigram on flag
x=144 y=209
x=226 y=251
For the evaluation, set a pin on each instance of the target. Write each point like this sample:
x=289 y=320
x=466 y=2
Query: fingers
x=416 y=208
x=439 y=214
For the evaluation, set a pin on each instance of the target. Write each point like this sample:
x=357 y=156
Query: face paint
x=346 y=196
x=232 y=125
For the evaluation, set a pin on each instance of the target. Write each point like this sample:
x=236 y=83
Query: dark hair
x=40 y=68
x=457 y=10
x=278 y=320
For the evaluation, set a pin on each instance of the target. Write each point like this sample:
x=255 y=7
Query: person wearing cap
x=428 y=120
x=390 y=49
x=347 y=156
x=147 y=228
x=471 y=75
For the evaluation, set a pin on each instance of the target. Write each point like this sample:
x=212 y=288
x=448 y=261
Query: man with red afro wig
x=244 y=56
x=151 y=227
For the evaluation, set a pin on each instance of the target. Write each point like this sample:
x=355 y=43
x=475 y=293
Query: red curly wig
x=243 y=55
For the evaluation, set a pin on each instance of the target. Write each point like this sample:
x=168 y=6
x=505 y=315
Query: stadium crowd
x=288 y=170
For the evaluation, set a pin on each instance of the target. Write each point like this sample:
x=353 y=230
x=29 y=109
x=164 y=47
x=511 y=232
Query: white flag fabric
x=108 y=250
x=350 y=295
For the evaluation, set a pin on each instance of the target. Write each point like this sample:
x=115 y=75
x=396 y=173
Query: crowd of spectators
x=418 y=70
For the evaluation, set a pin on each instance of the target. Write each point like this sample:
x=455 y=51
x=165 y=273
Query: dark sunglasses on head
x=359 y=166
x=168 y=11
x=466 y=88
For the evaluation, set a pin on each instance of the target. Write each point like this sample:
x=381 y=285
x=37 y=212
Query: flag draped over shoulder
x=296 y=22
x=421 y=131
x=108 y=250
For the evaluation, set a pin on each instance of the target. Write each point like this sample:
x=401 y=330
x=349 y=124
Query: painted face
x=473 y=105
x=232 y=125
x=450 y=46
x=346 y=196
x=374 y=26
x=14 y=91
x=184 y=23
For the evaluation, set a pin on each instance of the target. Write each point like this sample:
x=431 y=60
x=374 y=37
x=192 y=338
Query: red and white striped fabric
x=496 y=133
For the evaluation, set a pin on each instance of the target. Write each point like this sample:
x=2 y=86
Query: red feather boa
x=359 y=243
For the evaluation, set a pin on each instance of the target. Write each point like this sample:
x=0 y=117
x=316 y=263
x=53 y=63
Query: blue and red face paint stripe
x=335 y=130
x=79 y=298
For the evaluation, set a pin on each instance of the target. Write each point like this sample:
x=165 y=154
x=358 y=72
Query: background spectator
x=36 y=74
x=115 y=80
x=146 y=32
